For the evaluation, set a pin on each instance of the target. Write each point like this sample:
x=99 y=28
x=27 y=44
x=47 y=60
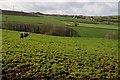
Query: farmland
x=84 y=28
x=90 y=52
x=38 y=57
x=95 y=32
x=29 y=19
x=53 y=20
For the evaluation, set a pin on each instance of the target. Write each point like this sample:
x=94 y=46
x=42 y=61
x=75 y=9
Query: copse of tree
x=44 y=28
x=61 y=31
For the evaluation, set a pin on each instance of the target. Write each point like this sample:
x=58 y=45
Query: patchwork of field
x=60 y=21
x=43 y=56
x=91 y=54
x=85 y=28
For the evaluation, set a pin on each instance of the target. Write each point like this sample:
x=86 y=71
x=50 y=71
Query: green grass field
x=92 y=55
x=28 y=19
x=84 y=29
x=104 y=26
x=95 y=33
x=57 y=21
x=43 y=56
x=48 y=19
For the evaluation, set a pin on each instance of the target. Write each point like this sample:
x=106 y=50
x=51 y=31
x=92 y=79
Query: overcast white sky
x=75 y=7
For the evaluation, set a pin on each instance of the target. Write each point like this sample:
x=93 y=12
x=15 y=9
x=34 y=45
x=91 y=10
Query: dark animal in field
x=23 y=34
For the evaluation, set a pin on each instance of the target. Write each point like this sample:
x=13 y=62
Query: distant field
x=43 y=56
x=87 y=21
x=41 y=19
x=104 y=26
x=90 y=30
x=95 y=33
x=69 y=19
x=57 y=20
x=29 y=19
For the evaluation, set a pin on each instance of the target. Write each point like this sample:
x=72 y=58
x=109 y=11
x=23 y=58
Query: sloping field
x=31 y=19
x=57 y=21
x=84 y=29
x=42 y=56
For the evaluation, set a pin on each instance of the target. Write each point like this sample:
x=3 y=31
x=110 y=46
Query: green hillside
x=30 y=19
x=42 y=56
x=84 y=28
x=59 y=47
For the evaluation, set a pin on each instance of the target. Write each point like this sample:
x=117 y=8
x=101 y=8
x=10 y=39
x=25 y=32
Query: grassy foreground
x=42 y=56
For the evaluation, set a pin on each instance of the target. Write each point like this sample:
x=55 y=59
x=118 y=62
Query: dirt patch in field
x=16 y=73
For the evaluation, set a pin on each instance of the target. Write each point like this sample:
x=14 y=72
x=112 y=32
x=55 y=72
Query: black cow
x=23 y=34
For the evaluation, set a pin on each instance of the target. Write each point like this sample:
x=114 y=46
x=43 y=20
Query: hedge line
x=41 y=28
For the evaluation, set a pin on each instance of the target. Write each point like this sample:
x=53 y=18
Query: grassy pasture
x=87 y=21
x=104 y=26
x=58 y=21
x=47 y=19
x=70 y=19
x=95 y=33
x=43 y=56
x=30 y=19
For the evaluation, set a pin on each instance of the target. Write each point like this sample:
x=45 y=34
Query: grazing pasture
x=95 y=32
x=99 y=26
x=43 y=56
x=31 y=19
